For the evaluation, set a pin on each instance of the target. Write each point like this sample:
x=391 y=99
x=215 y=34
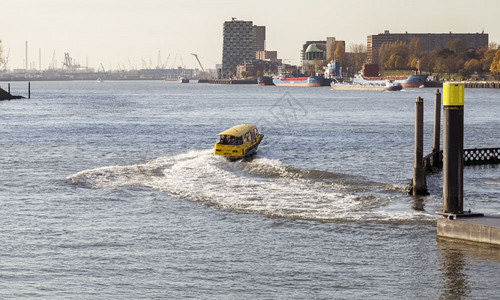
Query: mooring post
x=8 y=87
x=453 y=148
x=418 y=185
x=437 y=129
x=29 y=89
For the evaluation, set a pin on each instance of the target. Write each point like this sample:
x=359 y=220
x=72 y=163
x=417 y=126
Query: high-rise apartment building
x=428 y=41
x=237 y=46
x=259 y=38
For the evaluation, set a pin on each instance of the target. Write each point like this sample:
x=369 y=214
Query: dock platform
x=474 y=229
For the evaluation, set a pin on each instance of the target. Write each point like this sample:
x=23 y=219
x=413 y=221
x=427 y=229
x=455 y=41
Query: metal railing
x=477 y=156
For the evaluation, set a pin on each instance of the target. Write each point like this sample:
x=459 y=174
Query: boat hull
x=311 y=81
x=237 y=152
x=250 y=151
x=359 y=87
x=298 y=84
x=414 y=81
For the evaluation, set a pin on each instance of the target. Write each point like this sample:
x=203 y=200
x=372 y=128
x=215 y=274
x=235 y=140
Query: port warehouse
x=428 y=41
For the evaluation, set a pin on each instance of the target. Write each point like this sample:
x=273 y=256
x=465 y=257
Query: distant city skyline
x=112 y=32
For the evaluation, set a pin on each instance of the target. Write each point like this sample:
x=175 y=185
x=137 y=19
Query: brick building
x=428 y=41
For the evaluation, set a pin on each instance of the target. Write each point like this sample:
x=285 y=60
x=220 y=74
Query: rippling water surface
x=110 y=190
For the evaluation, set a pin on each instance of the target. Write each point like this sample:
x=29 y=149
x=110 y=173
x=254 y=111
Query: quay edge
x=484 y=230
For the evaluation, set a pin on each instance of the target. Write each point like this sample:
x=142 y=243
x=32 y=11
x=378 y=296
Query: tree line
x=454 y=58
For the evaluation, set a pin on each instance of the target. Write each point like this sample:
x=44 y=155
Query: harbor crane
x=182 y=62
x=6 y=61
x=53 y=64
x=69 y=62
x=166 y=62
x=196 y=56
x=130 y=64
x=159 y=65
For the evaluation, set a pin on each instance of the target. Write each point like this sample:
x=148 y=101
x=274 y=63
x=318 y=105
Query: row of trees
x=454 y=58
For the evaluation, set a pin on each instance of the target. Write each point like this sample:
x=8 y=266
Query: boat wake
x=261 y=185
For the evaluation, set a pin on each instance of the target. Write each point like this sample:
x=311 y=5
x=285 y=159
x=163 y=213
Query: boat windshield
x=229 y=140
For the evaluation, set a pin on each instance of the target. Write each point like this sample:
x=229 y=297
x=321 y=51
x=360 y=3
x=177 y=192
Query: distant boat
x=414 y=81
x=298 y=80
x=99 y=79
x=182 y=80
x=388 y=86
x=411 y=81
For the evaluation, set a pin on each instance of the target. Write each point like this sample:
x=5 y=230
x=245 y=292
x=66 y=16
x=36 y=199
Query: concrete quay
x=232 y=81
x=473 y=229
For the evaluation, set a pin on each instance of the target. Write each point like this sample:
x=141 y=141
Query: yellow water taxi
x=238 y=142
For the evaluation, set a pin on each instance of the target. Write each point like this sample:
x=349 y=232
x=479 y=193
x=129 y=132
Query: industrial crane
x=159 y=65
x=196 y=56
x=6 y=61
x=166 y=62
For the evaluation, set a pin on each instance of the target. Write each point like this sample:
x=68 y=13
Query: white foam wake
x=263 y=185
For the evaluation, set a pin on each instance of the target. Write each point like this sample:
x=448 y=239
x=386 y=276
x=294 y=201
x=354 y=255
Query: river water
x=109 y=190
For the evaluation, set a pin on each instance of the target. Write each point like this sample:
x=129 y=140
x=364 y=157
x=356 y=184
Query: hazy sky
x=114 y=31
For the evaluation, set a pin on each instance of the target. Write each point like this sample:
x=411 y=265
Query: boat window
x=224 y=139
x=229 y=140
x=238 y=141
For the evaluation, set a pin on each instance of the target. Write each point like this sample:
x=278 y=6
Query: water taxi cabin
x=238 y=142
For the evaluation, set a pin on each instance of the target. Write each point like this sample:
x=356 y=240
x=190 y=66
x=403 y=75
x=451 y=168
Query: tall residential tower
x=237 y=46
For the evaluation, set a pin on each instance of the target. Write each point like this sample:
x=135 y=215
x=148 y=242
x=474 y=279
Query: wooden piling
x=29 y=89
x=8 y=87
x=437 y=129
x=419 y=184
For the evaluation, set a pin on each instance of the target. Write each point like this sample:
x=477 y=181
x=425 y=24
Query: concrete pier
x=484 y=229
x=457 y=223
x=233 y=81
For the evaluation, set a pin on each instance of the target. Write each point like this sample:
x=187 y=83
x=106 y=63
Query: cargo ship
x=411 y=81
x=298 y=80
x=388 y=86
x=370 y=75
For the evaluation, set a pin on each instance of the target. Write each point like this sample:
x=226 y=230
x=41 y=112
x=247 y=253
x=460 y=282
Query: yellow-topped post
x=453 y=94
x=453 y=148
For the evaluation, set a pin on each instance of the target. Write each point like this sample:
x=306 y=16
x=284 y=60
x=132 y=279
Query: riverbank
x=4 y=95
